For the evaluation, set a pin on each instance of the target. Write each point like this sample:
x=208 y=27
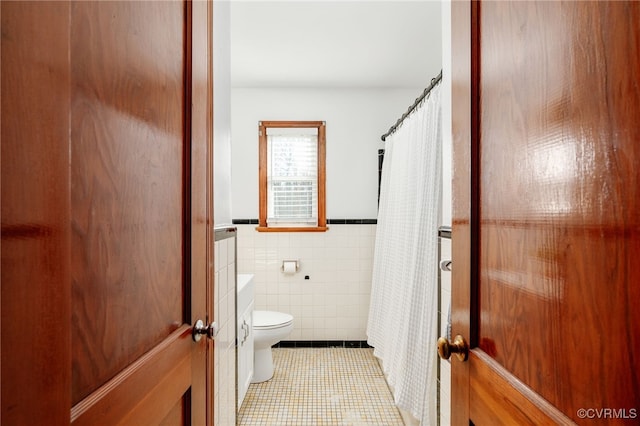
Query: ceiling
x=341 y=44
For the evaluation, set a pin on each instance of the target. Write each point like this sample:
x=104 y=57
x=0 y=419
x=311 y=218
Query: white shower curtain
x=402 y=325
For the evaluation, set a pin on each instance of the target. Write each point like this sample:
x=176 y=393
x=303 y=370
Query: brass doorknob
x=458 y=347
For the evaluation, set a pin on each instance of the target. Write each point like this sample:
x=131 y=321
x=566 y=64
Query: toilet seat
x=269 y=320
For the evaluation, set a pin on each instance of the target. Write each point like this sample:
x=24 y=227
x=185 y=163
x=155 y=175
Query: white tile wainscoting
x=333 y=304
x=224 y=386
x=445 y=366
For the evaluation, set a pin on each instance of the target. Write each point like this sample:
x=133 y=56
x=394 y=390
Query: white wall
x=446 y=113
x=222 y=112
x=224 y=387
x=356 y=118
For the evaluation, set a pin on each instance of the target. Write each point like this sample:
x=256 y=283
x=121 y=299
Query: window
x=292 y=176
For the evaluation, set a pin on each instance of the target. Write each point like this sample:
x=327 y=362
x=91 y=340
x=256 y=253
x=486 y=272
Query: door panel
x=127 y=194
x=496 y=397
x=106 y=189
x=146 y=391
x=554 y=204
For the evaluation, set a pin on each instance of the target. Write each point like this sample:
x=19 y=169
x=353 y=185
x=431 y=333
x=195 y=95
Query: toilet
x=269 y=328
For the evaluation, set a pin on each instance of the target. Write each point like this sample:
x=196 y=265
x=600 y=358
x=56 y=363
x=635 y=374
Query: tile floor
x=321 y=386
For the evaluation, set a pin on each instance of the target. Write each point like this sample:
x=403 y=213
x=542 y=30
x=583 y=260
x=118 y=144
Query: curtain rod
x=434 y=82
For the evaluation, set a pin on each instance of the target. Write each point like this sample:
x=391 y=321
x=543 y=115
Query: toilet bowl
x=269 y=328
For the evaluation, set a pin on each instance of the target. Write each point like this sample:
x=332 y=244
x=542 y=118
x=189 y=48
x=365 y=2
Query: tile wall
x=445 y=366
x=333 y=303
x=224 y=315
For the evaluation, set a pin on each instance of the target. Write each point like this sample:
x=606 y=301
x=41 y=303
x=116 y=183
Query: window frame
x=263 y=170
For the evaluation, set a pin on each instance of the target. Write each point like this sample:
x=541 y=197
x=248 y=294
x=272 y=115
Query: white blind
x=292 y=177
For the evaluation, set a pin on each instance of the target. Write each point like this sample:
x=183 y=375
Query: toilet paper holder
x=445 y=265
x=285 y=262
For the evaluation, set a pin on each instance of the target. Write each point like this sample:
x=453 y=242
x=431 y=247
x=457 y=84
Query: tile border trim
x=224 y=232
x=322 y=344
x=329 y=221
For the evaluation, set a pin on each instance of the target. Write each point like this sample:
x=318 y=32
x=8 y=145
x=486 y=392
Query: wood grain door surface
x=546 y=107
x=105 y=212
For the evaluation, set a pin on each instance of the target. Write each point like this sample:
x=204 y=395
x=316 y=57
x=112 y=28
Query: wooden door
x=106 y=213
x=546 y=212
